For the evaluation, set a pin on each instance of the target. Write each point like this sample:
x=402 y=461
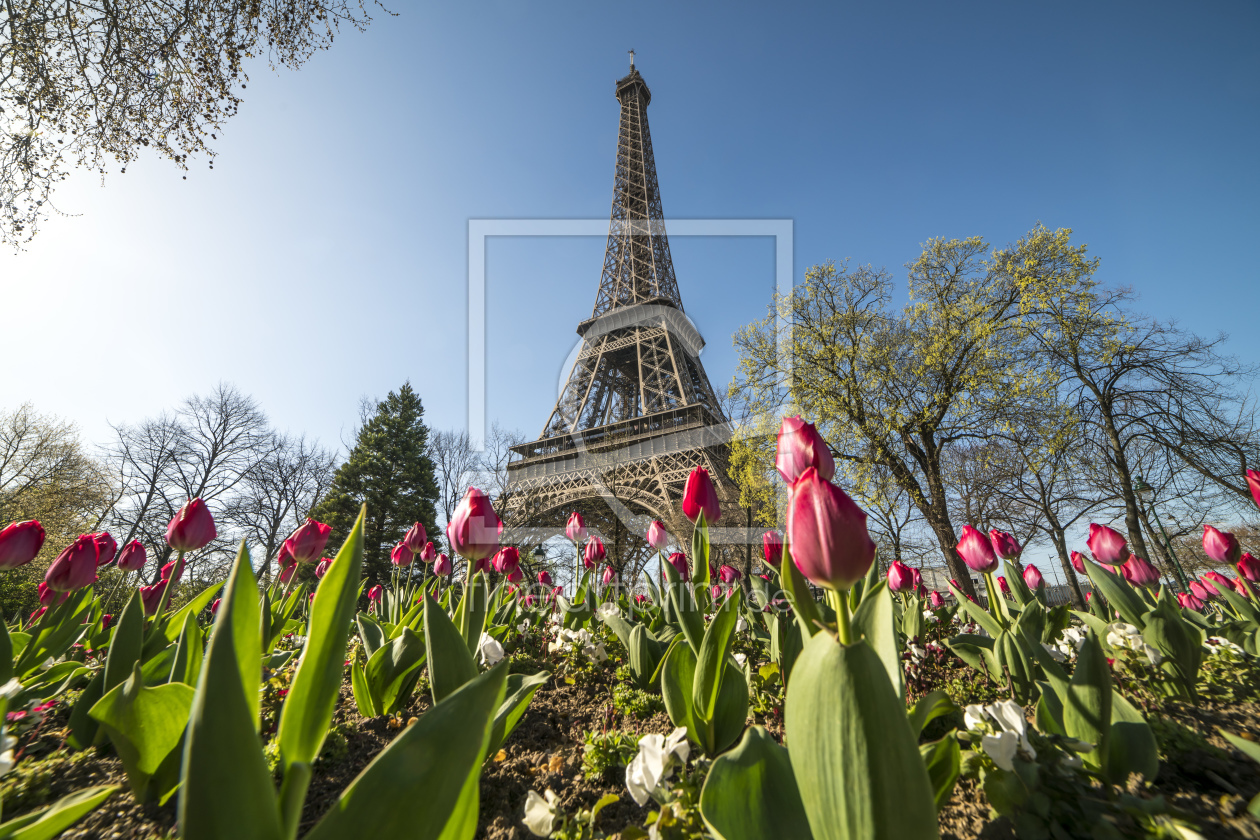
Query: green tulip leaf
x=83 y=729
x=700 y=553
x=393 y=670
x=144 y=724
x=855 y=757
x=876 y=620
x=439 y=755
x=798 y=594
x=645 y=655
x=189 y=651
x=1118 y=593
x=715 y=651
x=472 y=611
x=227 y=789
x=943 y=760
x=930 y=707
x=519 y=693
x=678 y=672
x=751 y=794
x=1131 y=745
x=451 y=664
x=1087 y=704
x=977 y=613
x=50 y=822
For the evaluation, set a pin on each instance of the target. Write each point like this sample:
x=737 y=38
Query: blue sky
x=324 y=257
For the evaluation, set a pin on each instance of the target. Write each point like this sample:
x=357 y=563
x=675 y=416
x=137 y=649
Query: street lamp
x=1147 y=493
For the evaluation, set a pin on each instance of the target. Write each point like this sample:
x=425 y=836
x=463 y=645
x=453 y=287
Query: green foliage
x=751 y=792
x=29 y=784
x=636 y=703
x=389 y=470
x=603 y=751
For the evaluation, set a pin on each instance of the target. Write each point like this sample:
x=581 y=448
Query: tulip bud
x=679 y=561
x=918 y=579
x=429 y=553
x=715 y=591
x=516 y=575
x=287 y=572
x=729 y=574
x=1107 y=546
x=899 y=577
x=151 y=596
x=75 y=566
x=415 y=538
x=801 y=447
x=1003 y=585
x=772 y=548
x=442 y=565
x=36 y=616
x=976 y=551
x=214 y=608
x=1221 y=546
x=285 y=557
x=107 y=621
x=1204 y=592
x=1078 y=562
x=474 y=529
x=20 y=542
x=1253 y=484
x=49 y=597
x=174 y=570
x=1004 y=545
x=508 y=558
x=321 y=568
x=375 y=593
x=1139 y=572
x=827 y=533
x=936 y=600
x=700 y=496
x=133 y=557
x=1240 y=587
x=1188 y=601
x=594 y=553
x=485 y=564
x=1249 y=568
x=401 y=556
x=544 y=577
x=1219 y=579
x=192 y=528
x=575 y=528
x=1033 y=578
x=307 y=543
x=656 y=536
x=609 y=575
x=106 y=547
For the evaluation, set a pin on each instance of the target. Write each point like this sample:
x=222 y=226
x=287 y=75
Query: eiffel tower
x=637 y=413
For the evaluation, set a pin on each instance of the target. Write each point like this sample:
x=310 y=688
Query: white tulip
x=540 y=813
x=490 y=649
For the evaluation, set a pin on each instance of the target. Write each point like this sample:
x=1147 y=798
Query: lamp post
x=540 y=557
x=1147 y=493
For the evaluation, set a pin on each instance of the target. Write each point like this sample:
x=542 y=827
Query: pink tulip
x=1005 y=546
x=641 y=599
x=107 y=547
x=36 y=616
x=1139 y=572
x=49 y=597
x=485 y=564
x=192 y=528
x=729 y=574
x=442 y=565
x=508 y=558
x=1240 y=587
x=936 y=600
x=801 y=447
x=700 y=497
x=307 y=543
x=656 y=536
x=609 y=575
x=151 y=596
x=715 y=591
x=899 y=577
x=544 y=577
x=976 y=551
x=133 y=557
x=428 y=554
x=107 y=620
x=287 y=572
x=214 y=608
x=1253 y=484
x=1219 y=579
x=575 y=528
x=772 y=548
x=1249 y=568
x=20 y=542
x=401 y=556
x=1087 y=596
x=75 y=566
x=679 y=561
x=416 y=538
x=594 y=553
x=1078 y=561
x=321 y=568
x=375 y=593
x=917 y=582
x=1003 y=585
x=516 y=575
x=1203 y=592
x=285 y=557
x=1107 y=546
x=1188 y=601
x=174 y=570
x=827 y=533
x=1221 y=546
x=1033 y=578
x=474 y=529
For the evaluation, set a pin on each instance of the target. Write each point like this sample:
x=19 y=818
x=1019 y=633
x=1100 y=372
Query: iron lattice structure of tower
x=637 y=412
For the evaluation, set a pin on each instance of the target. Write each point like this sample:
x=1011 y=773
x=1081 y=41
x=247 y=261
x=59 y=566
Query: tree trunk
x=1065 y=561
x=1132 y=521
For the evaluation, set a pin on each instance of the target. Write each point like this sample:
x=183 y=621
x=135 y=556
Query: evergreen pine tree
x=390 y=470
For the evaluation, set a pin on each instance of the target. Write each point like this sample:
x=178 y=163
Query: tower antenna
x=631 y=59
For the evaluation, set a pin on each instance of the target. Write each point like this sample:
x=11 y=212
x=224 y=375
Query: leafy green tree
x=389 y=469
